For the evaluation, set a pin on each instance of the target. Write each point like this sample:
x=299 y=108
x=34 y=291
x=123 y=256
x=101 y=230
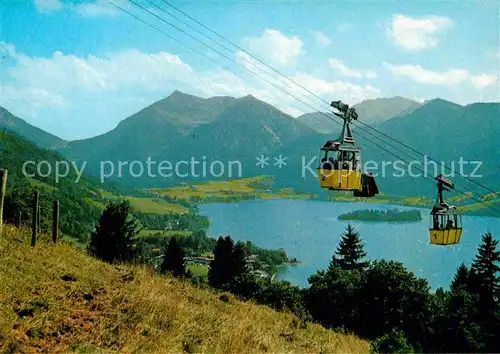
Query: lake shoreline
x=390 y=216
x=310 y=231
x=340 y=199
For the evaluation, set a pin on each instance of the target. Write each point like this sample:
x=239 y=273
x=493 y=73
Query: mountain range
x=182 y=127
x=36 y=135
x=371 y=111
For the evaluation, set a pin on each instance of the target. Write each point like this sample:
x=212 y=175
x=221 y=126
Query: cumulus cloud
x=343 y=27
x=321 y=39
x=67 y=88
x=279 y=90
x=342 y=90
x=63 y=73
x=33 y=97
x=275 y=47
x=483 y=80
x=346 y=71
x=418 y=33
x=47 y=6
x=94 y=8
x=447 y=78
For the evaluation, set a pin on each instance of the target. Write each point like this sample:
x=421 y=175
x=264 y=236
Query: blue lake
x=309 y=230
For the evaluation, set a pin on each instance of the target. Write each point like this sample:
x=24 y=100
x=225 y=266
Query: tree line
x=378 y=300
x=392 y=215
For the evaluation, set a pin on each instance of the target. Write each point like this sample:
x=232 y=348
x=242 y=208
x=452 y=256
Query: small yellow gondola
x=340 y=166
x=445 y=222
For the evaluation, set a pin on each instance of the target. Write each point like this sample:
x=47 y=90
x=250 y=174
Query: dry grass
x=155 y=205
x=54 y=298
x=229 y=190
x=149 y=232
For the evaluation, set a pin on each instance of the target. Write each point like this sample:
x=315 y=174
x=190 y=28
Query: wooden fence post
x=3 y=180
x=55 y=221
x=38 y=227
x=34 y=225
x=19 y=218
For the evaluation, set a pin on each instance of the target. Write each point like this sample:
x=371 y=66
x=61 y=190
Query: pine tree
x=461 y=279
x=173 y=259
x=115 y=234
x=487 y=267
x=239 y=264
x=350 y=252
x=219 y=272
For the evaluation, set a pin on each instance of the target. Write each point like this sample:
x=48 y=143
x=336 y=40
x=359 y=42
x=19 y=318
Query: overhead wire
x=267 y=81
x=311 y=92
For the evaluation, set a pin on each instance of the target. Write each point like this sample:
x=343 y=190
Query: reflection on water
x=309 y=230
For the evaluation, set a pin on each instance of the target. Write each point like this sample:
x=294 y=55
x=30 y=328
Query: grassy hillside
x=258 y=187
x=54 y=298
x=78 y=212
x=144 y=204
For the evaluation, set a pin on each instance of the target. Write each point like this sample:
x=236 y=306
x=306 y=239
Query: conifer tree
x=115 y=234
x=173 y=259
x=461 y=278
x=487 y=268
x=350 y=252
x=219 y=272
x=239 y=264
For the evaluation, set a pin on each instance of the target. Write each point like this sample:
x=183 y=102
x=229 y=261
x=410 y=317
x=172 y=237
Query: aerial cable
x=166 y=34
x=307 y=90
x=252 y=72
x=218 y=52
x=304 y=88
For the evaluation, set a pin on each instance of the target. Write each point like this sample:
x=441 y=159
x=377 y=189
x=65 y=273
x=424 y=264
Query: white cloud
x=47 y=6
x=343 y=27
x=31 y=97
x=7 y=49
x=346 y=71
x=483 y=80
x=371 y=75
x=446 y=78
x=276 y=91
x=275 y=47
x=418 y=33
x=59 y=91
x=94 y=8
x=64 y=73
x=321 y=39
x=342 y=90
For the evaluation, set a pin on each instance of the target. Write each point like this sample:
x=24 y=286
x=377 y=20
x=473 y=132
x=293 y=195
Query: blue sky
x=78 y=68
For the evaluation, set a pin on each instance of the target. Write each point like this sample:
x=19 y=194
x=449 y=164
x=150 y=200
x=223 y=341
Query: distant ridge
x=41 y=138
x=182 y=126
x=371 y=111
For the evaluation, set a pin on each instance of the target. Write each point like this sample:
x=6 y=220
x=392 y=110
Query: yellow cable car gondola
x=340 y=167
x=445 y=223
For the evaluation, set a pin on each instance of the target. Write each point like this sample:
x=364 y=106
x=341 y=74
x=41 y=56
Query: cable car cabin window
x=347 y=160
x=336 y=160
x=445 y=222
x=330 y=161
